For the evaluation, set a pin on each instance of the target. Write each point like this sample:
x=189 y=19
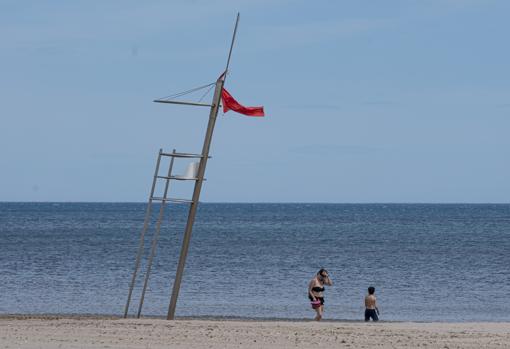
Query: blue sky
x=366 y=101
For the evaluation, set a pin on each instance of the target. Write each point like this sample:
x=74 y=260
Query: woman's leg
x=319 y=311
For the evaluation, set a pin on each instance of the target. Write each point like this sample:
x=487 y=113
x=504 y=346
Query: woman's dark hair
x=371 y=290
x=321 y=271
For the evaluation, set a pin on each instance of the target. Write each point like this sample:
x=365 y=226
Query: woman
x=316 y=291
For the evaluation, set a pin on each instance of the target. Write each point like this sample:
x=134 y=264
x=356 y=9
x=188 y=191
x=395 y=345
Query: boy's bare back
x=370 y=302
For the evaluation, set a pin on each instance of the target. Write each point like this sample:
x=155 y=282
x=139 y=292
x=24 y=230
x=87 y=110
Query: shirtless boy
x=371 y=310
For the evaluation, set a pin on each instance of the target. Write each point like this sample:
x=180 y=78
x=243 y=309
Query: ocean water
x=428 y=262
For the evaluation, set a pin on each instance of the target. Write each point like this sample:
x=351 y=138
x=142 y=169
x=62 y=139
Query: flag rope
x=180 y=94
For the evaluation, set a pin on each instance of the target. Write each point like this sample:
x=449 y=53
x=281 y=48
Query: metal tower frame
x=203 y=157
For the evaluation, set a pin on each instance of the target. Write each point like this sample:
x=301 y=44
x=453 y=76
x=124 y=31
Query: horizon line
x=269 y=202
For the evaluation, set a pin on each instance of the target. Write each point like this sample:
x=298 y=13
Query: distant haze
x=390 y=101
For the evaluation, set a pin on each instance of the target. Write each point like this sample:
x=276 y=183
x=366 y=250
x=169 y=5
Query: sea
x=427 y=262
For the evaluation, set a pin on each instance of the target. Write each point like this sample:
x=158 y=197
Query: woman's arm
x=327 y=281
x=310 y=286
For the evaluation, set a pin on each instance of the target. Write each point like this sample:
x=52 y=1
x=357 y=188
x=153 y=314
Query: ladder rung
x=172 y=199
x=184 y=155
x=179 y=178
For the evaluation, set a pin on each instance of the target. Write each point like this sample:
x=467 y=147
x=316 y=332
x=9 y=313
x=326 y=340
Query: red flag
x=229 y=103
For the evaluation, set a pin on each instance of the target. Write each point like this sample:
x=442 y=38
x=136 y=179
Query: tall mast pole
x=198 y=184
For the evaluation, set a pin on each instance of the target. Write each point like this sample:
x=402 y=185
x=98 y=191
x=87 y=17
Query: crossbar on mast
x=184 y=103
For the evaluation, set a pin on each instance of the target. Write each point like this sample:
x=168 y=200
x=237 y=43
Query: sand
x=88 y=332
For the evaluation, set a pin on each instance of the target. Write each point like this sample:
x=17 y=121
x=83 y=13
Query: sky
x=366 y=101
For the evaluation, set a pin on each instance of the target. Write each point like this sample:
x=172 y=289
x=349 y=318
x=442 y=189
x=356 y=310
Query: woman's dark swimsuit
x=317 y=289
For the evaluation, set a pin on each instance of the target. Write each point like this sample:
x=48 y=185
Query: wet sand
x=45 y=332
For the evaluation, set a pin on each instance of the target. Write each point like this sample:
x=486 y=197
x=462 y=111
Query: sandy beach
x=87 y=332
